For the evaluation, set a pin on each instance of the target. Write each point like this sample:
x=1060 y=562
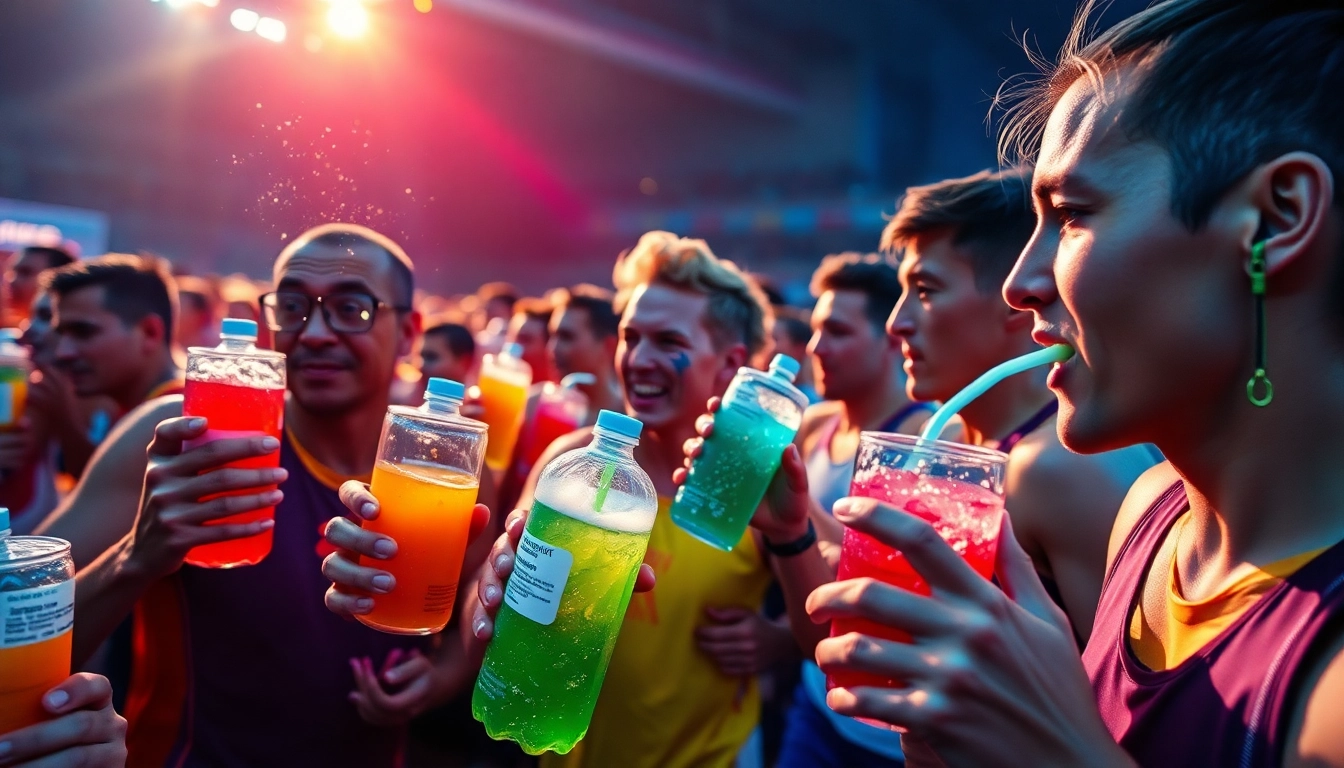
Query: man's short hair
x=134 y=287
x=989 y=216
x=458 y=338
x=1222 y=86
x=596 y=304
x=339 y=235
x=738 y=312
x=55 y=256
x=869 y=274
x=498 y=290
x=794 y=323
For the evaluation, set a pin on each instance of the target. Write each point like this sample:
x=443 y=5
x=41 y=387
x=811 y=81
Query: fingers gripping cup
x=958 y=488
x=37 y=613
x=426 y=480
x=240 y=391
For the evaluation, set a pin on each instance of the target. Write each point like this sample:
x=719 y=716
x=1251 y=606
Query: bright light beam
x=348 y=18
x=271 y=29
x=244 y=20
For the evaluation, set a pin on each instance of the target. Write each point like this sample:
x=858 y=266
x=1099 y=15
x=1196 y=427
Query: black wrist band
x=795 y=547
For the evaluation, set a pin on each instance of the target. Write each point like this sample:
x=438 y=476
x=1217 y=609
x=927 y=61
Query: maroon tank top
x=1228 y=704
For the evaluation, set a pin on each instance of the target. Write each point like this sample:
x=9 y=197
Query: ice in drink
x=240 y=391
x=566 y=598
x=426 y=480
x=504 y=382
x=760 y=415
x=37 y=611
x=957 y=488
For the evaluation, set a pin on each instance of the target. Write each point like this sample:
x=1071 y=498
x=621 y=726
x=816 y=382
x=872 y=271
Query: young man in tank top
x=1188 y=246
x=958 y=240
x=244 y=667
x=681 y=688
x=858 y=371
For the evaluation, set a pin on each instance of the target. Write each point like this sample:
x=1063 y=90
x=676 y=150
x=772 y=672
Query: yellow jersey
x=664 y=704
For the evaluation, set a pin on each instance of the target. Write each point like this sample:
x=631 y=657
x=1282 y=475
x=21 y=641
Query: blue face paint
x=680 y=362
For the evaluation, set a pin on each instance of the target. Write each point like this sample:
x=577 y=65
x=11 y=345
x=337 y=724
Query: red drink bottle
x=240 y=391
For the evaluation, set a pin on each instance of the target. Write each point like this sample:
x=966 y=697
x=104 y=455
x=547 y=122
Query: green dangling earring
x=1259 y=390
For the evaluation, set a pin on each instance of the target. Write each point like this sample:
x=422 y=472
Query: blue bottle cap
x=445 y=388
x=619 y=423
x=233 y=326
x=4 y=519
x=786 y=365
x=513 y=349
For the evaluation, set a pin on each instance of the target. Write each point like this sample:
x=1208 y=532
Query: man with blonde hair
x=681 y=687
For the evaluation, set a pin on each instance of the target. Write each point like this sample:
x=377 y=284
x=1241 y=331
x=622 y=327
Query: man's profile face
x=1158 y=315
x=437 y=359
x=950 y=330
x=101 y=353
x=850 y=353
x=21 y=278
x=573 y=347
x=530 y=333
x=666 y=357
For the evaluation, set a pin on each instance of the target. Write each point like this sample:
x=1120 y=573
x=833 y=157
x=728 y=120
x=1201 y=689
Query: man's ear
x=411 y=326
x=1293 y=196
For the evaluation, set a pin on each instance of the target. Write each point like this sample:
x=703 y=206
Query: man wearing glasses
x=246 y=667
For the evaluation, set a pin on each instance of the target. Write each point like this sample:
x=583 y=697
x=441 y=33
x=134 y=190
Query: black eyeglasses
x=352 y=312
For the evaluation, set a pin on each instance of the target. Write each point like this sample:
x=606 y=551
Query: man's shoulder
x=817 y=415
x=1042 y=462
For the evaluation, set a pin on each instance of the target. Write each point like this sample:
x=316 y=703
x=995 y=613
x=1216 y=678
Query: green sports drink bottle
x=566 y=598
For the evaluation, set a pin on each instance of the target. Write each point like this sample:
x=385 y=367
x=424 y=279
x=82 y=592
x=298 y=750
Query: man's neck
x=346 y=443
x=660 y=453
x=1265 y=483
x=872 y=410
x=605 y=394
x=1008 y=405
x=156 y=376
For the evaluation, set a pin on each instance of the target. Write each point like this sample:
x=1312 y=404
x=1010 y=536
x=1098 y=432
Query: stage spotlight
x=271 y=29
x=244 y=20
x=348 y=19
x=424 y=6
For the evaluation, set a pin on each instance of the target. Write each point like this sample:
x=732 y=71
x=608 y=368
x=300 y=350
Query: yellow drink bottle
x=14 y=370
x=37 y=616
x=504 y=381
x=425 y=480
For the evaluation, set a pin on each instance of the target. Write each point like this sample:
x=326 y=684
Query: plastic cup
x=958 y=488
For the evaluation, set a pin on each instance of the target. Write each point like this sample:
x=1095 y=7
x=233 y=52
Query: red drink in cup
x=958 y=488
x=240 y=391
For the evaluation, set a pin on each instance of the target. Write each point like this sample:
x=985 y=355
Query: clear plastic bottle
x=504 y=382
x=240 y=391
x=566 y=598
x=37 y=615
x=14 y=370
x=426 y=481
x=760 y=416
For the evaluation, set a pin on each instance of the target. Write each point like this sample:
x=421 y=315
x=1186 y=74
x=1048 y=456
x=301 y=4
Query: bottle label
x=538 y=579
x=35 y=614
x=6 y=402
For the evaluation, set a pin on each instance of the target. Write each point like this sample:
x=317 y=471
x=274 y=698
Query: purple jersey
x=1228 y=704
x=247 y=667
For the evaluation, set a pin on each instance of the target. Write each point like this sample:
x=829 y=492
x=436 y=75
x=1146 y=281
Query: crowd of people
x=1169 y=583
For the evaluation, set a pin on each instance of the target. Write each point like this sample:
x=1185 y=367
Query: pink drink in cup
x=958 y=488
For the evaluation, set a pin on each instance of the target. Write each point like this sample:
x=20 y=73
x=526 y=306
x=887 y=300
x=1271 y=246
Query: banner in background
x=23 y=224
